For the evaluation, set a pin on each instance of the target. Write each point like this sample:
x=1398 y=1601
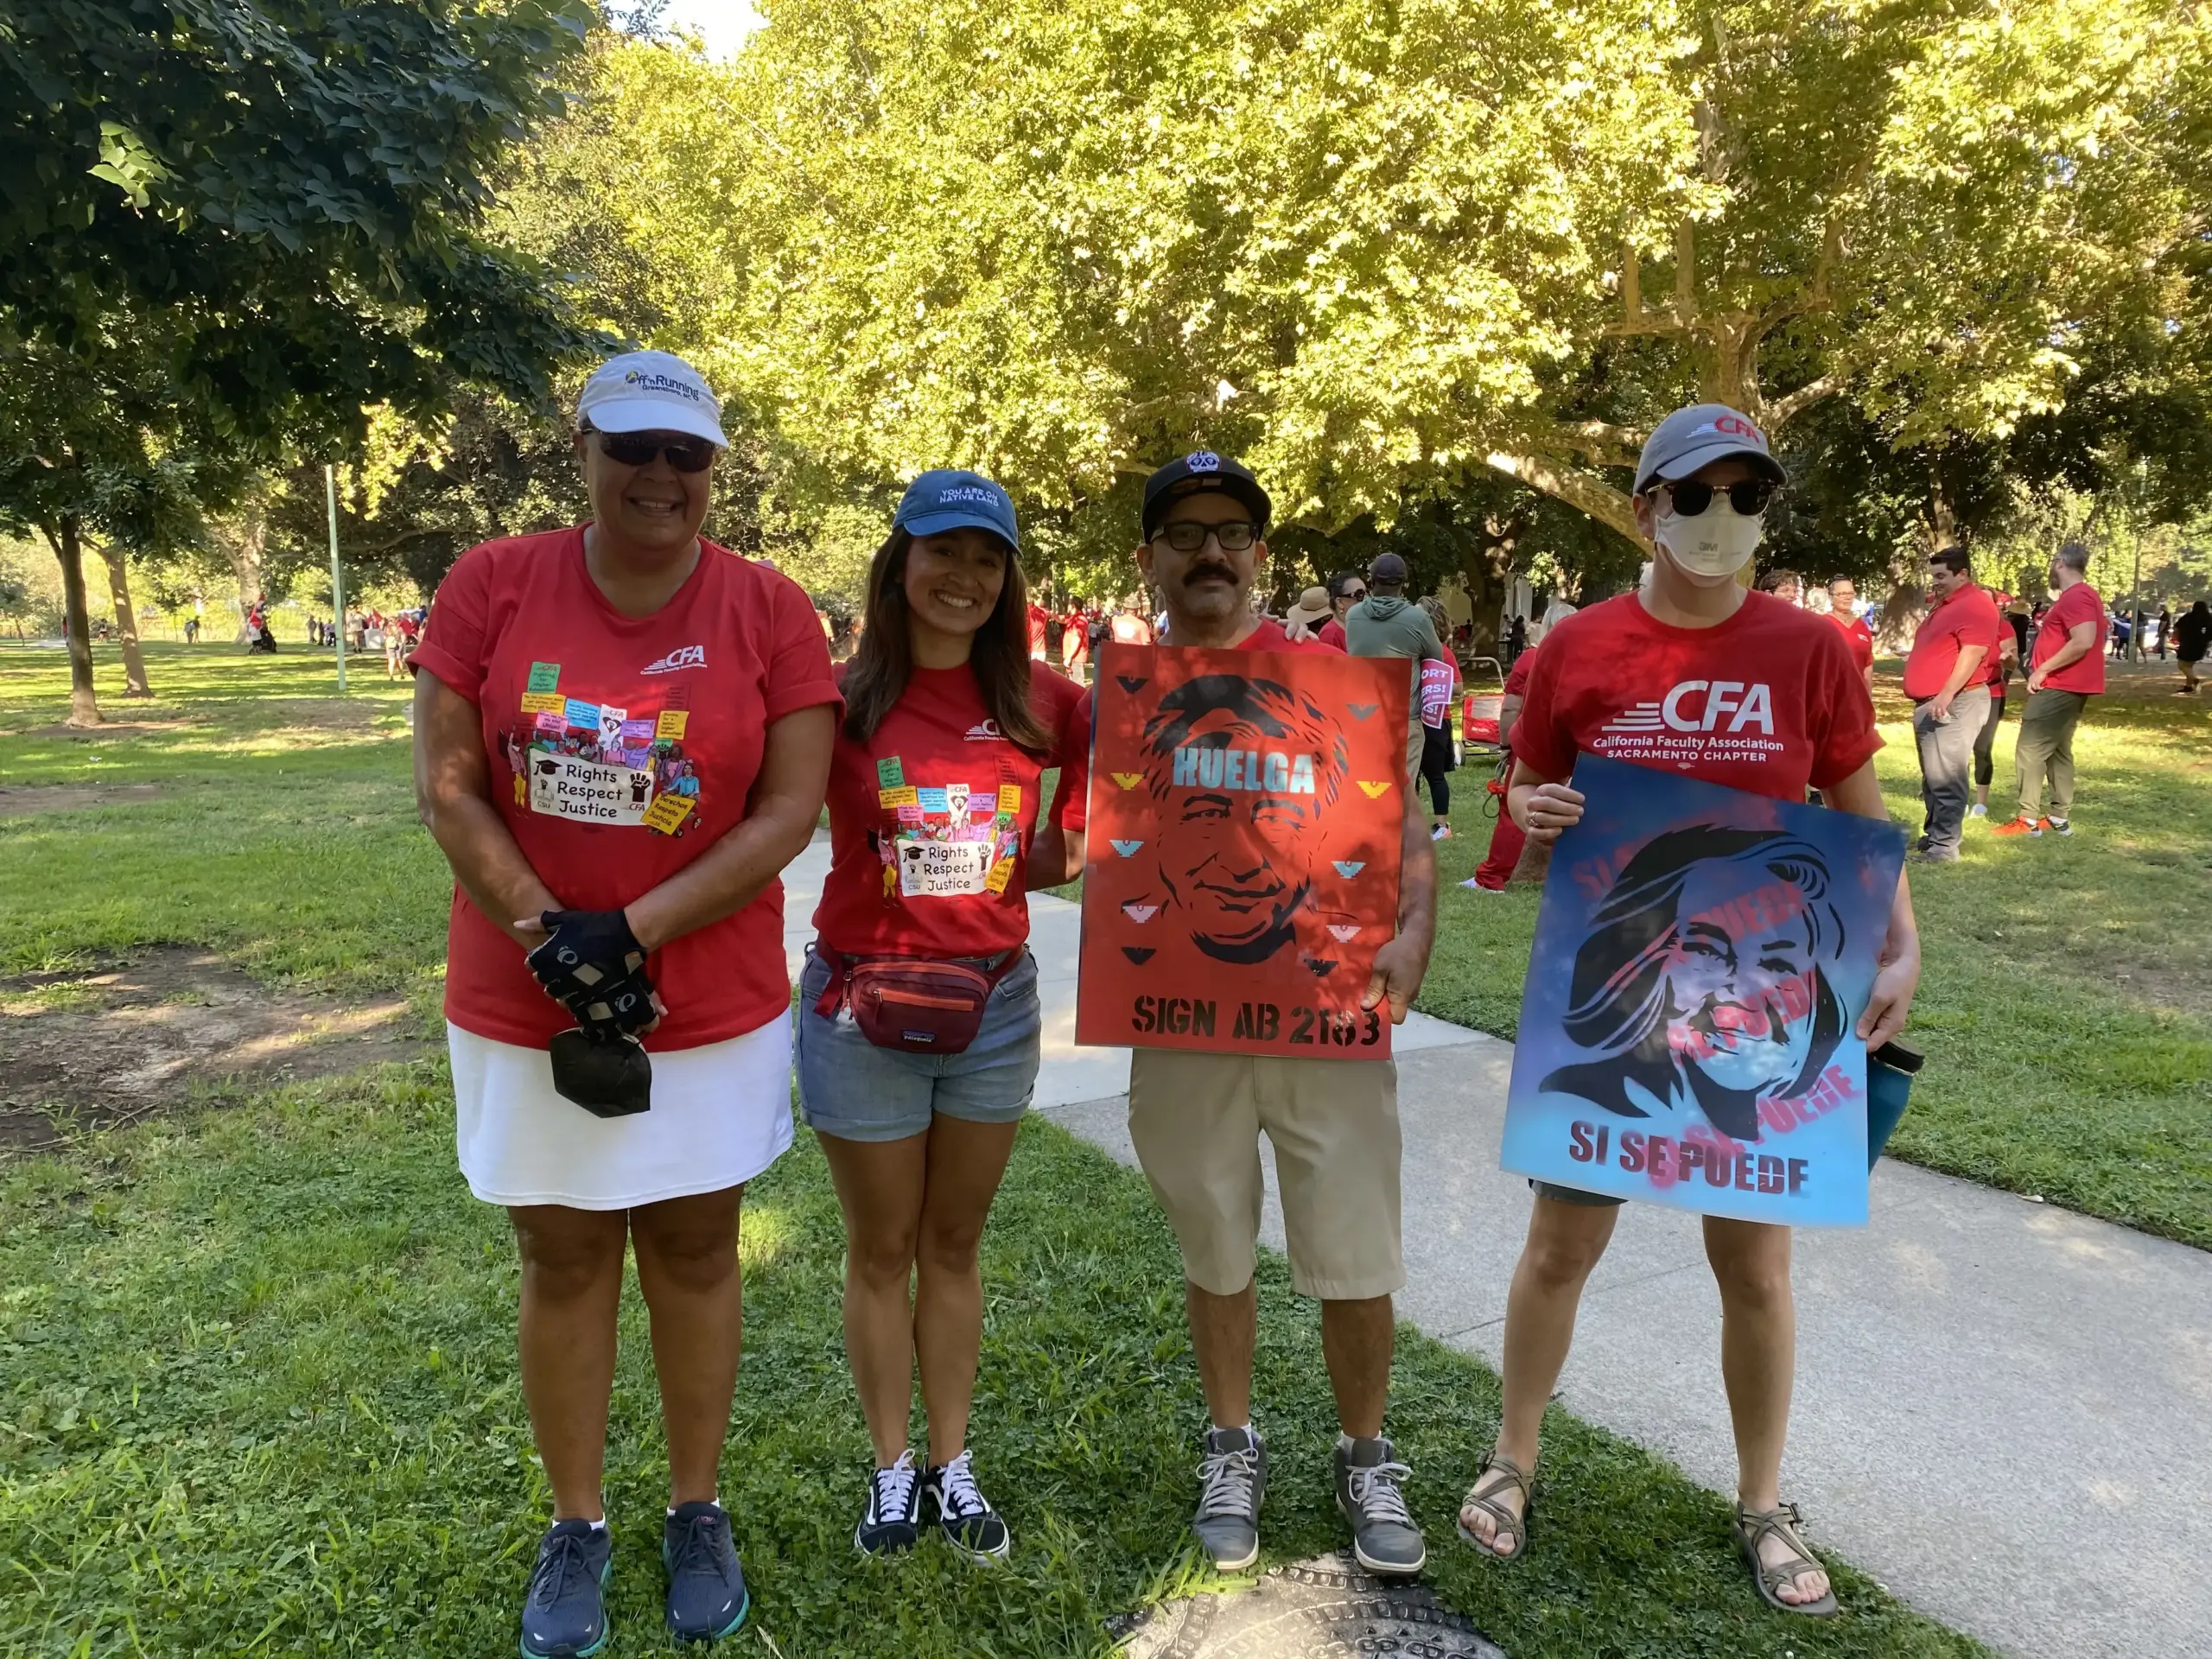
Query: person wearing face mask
x=919 y=1028
x=621 y=736
x=1691 y=673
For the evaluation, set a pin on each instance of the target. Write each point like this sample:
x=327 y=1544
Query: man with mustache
x=1196 y=1118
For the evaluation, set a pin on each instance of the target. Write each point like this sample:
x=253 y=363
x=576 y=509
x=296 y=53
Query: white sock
x=716 y=1500
x=1245 y=1428
x=600 y=1525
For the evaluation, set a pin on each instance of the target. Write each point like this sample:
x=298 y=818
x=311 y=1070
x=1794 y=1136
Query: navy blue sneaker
x=705 y=1586
x=564 y=1615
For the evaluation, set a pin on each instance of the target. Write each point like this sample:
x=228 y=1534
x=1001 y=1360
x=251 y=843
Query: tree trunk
x=244 y=555
x=68 y=547
x=126 y=623
x=1486 y=566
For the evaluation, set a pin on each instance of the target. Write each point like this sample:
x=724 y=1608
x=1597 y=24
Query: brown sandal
x=1509 y=1525
x=1751 y=1528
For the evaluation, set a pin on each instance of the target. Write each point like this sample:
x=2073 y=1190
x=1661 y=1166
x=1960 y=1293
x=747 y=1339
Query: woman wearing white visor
x=622 y=738
x=1692 y=630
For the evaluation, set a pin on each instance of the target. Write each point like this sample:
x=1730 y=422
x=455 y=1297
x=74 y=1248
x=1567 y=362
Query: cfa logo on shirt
x=1745 y=707
x=984 y=731
x=683 y=657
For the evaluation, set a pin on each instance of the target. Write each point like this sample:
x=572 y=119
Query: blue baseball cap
x=942 y=500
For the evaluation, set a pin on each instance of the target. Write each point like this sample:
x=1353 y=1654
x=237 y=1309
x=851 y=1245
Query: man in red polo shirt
x=1843 y=596
x=1947 y=679
x=2065 y=671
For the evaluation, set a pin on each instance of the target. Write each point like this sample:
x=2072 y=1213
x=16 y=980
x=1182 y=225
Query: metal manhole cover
x=1325 y=1608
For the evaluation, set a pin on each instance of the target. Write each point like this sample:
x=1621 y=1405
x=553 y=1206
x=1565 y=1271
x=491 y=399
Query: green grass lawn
x=2066 y=1001
x=256 y=1385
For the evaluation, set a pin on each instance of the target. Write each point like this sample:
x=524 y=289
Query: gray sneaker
x=1384 y=1538
x=1232 y=1478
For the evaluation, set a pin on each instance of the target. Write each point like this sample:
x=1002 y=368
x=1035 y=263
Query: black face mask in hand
x=593 y=964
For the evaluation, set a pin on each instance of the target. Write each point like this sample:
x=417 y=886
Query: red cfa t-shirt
x=621 y=749
x=1768 y=701
x=932 y=818
x=1860 y=636
x=2078 y=605
x=1332 y=634
x=1966 y=616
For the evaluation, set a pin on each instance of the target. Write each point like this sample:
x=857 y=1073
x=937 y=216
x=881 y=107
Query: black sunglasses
x=640 y=449
x=1353 y=593
x=1186 y=537
x=1749 y=497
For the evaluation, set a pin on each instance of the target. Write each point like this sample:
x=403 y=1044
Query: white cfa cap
x=650 y=392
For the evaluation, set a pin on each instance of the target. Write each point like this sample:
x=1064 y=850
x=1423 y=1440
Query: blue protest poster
x=1702 y=957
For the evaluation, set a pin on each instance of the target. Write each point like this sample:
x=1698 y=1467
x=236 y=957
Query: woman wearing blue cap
x=918 y=1023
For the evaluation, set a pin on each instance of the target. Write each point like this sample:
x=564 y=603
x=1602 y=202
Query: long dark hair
x=885 y=662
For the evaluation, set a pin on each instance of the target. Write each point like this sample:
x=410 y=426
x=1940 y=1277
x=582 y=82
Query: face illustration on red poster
x=1247 y=812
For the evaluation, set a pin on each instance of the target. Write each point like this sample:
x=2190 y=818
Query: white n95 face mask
x=1711 y=547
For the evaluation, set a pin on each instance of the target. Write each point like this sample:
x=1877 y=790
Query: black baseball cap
x=1202 y=469
x=1388 y=566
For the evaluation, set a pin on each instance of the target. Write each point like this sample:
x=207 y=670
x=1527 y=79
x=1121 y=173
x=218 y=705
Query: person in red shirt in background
x=1843 y=598
x=1507 y=840
x=622 y=735
x=2003 y=656
x=2065 y=670
x=1946 y=676
x=1075 y=644
x=1346 y=589
x=935 y=845
x=1696 y=650
x=1041 y=621
x=1130 y=626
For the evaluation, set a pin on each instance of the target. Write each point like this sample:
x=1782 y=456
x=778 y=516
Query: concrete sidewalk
x=2004 y=1410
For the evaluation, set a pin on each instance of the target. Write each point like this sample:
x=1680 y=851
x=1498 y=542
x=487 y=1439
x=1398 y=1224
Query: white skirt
x=721 y=1115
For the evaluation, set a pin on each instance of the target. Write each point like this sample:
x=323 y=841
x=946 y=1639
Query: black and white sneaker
x=895 y=1510
x=971 y=1524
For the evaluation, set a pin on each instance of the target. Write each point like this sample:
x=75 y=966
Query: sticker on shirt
x=943 y=869
x=544 y=677
x=589 y=792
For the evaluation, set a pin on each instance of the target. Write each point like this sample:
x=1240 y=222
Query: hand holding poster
x=1702 y=957
x=1247 y=811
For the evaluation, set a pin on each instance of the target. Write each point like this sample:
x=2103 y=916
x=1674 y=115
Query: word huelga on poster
x=1245 y=821
x=1701 y=959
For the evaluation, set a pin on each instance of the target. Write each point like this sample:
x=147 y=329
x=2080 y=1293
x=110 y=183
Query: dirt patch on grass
x=105 y=730
x=357 y=716
x=63 y=797
x=109 y=1046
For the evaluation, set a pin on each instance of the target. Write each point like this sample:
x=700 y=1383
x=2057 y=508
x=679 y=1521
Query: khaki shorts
x=1196 y=1120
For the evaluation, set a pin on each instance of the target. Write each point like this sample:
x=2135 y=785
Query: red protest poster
x=1246 y=811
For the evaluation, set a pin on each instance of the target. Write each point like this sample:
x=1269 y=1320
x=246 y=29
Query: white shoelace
x=894 y=1488
x=1225 y=1482
x=957 y=1493
x=1376 y=1490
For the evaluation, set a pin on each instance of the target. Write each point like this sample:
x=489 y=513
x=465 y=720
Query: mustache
x=1210 y=573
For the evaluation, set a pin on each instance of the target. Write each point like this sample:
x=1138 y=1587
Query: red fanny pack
x=910 y=1002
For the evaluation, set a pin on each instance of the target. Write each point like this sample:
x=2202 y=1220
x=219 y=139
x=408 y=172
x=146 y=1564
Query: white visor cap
x=650 y=392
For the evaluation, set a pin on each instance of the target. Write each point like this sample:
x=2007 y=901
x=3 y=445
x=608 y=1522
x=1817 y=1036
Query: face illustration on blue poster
x=1702 y=957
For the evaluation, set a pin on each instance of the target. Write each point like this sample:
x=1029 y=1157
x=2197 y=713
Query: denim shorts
x=849 y=1088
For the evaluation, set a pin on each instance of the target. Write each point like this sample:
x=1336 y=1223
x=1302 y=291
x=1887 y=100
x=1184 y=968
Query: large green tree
x=260 y=216
x=1382 y=249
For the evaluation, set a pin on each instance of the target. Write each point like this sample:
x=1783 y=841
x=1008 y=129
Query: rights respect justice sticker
x=590 y=791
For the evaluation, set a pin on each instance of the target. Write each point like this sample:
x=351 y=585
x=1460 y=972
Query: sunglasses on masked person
x=1749 y=498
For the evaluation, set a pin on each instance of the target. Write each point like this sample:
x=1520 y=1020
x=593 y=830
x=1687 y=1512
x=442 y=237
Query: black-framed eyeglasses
x=1749 y=497
x=640 y=448
x=1187 y=537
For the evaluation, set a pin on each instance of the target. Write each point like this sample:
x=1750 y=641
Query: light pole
x=337 y=581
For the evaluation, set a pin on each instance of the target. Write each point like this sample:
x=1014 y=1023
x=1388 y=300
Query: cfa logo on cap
x=1203 y=461
x=1734 y=426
